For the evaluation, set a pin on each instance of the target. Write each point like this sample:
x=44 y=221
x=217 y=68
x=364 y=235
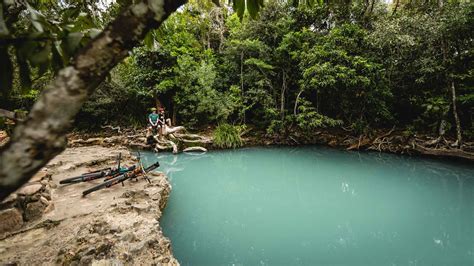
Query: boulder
x=12 y=198
x=34 y=210
x=41 y=175
x=30 y=189
x=44 y=201
x=49 y=208
x=10 y=220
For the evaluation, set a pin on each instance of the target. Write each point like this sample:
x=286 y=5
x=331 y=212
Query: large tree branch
x=42 y=136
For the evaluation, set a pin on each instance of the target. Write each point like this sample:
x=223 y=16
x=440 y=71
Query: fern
x=227 y=136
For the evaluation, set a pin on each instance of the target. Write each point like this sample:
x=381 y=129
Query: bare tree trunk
x=366 y=5
x=295 y=110
x=217 y=17
x=221 y=30
x=396 y=7
x=43 y=135
x=282 y=96
x=456 y=117
x=158 y=103
x=173 y=117
x=372 y=7
x=208 y=40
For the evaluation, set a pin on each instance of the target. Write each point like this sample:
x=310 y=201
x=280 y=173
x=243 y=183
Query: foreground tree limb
x=42 y=136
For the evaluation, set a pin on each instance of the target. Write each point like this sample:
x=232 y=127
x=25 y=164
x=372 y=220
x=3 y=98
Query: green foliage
x=227 y=136
x=37 y=37
x=363 y=71
x=339 y=62
x=109 y=100
x=308 y=118
x=347 y=82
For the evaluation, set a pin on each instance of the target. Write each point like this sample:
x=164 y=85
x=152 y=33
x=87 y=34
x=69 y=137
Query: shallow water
x=318 y=206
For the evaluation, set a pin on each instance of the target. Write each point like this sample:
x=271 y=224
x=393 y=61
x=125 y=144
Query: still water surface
x=317 y=206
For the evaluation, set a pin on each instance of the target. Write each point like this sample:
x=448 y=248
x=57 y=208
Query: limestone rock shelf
x=45 y=223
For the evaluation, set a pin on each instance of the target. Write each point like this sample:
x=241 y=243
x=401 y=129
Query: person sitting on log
x=153 y=119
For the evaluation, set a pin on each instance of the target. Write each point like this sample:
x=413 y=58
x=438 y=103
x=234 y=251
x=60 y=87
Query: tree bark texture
x=43 y=135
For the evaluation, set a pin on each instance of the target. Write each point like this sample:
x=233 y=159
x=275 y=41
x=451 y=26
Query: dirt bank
x=118 y=225
x=382 y=140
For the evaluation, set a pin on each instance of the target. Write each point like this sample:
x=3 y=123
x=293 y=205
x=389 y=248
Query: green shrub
x=308 y=119
x=227 y=136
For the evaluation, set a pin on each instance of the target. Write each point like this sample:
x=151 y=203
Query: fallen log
x=455 y=153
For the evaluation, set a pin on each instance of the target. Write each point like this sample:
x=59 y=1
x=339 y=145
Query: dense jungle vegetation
x=357 y=66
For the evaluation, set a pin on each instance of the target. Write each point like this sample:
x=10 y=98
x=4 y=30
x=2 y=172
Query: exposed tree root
x=112 y=128
x=172 y=139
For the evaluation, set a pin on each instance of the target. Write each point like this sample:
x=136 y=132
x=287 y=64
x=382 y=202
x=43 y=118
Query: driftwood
x=196 y=148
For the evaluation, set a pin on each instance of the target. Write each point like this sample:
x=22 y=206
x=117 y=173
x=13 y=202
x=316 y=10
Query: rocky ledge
x=45 y=223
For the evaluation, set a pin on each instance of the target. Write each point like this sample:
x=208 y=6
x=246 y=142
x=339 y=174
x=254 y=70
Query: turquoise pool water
x=317 y=206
